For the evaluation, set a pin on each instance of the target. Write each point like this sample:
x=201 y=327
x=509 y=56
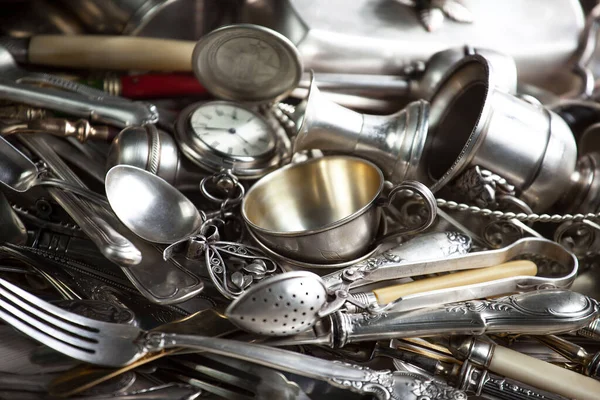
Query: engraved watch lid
x=246 y=62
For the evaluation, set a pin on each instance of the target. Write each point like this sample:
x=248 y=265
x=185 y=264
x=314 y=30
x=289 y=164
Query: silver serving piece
x=111 y=243
x=557 y=268
x=159 y=281
x=389 y=266
x=149 y=206
x=289 y=214
x=295 y=301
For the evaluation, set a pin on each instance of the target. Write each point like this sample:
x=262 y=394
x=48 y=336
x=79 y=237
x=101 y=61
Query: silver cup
x=326 y=209
x=472 y=122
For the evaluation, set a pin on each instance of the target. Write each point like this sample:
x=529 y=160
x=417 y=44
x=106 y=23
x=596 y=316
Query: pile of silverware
x=390 y=199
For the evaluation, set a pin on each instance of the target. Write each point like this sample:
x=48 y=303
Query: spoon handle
x=112 y=244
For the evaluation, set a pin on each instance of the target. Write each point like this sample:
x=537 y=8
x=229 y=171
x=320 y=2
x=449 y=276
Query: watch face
x=232 y=130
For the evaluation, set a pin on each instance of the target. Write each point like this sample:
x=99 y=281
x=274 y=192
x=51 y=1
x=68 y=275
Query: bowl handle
x=413 y=188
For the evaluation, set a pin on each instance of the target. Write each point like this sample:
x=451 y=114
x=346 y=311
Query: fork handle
x=383 y=385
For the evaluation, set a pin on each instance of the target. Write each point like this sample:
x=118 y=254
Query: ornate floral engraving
x=459 y=244
x=233 y=266
x=428 y=389
x=98 y=310
x=378 y=383
x=480 y=305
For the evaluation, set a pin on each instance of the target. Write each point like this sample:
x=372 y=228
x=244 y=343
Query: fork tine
x=36 y=315
x=216 y=372
x=34 y=331
x=62 y=318
x=214 y=389
x=76 y=336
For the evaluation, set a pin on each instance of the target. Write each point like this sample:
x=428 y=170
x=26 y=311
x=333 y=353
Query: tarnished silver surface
x=382 y=37
x=541 y=312
x=162 y=282
x=115 y=345
x=111 y=243
x=78 y=100
x=557 y=268
x=396 y=263
x=247 y=62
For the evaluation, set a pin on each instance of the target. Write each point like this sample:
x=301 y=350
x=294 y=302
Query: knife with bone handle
x=529 y=370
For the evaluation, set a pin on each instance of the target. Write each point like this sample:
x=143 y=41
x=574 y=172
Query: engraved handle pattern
x=112 y=244
x=542 y=312
x=384 y=385
x=437 y=245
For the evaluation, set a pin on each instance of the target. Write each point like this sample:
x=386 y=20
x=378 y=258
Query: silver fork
x=262 y=382
x=114 y=345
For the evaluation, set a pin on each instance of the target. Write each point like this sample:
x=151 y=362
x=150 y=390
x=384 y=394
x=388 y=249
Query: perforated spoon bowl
x=282 y=305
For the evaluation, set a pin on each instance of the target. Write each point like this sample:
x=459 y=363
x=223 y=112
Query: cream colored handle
x=111 y=52
x=513 y=268
x=543 y=375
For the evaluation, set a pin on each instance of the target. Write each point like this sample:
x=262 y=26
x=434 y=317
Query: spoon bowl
x=281 y=305
x=149 y=206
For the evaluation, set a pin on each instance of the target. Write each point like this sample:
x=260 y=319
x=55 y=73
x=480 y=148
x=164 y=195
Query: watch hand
x=213 y=128
x=245 y=141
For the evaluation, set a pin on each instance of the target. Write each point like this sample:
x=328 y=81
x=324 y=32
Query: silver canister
x=472 y=122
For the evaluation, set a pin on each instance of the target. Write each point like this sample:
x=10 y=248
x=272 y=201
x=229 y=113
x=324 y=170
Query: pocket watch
x=219 y=135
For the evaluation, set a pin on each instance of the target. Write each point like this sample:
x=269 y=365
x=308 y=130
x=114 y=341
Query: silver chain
x=523 y=217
